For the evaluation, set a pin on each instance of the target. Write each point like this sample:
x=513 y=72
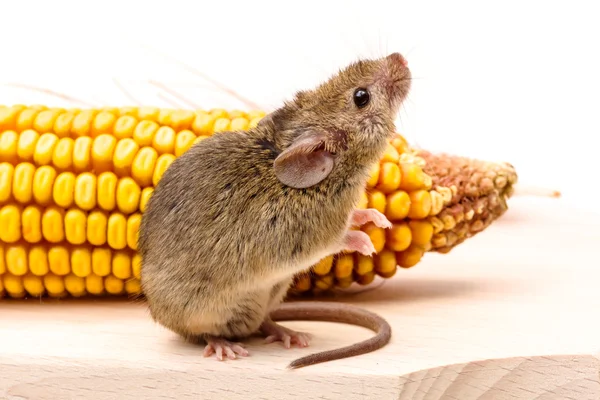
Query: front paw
x=362 y=217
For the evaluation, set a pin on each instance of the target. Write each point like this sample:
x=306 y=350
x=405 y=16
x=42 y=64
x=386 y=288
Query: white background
x=516 y=81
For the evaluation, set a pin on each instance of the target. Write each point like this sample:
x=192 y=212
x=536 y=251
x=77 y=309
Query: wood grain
x=510 y=314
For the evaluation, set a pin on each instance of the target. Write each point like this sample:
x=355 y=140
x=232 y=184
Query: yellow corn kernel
x=2 y=262
x=400 y=144
x=389 y=177
x=44 y=121
x=27 y=144
x=398 y=237
x=125 y=153
x=85 y=191
x=117 y=231
x=239 y=124
x=142 y=169
x=38 y=260
x=183 y=141
x=53 y=224
x=422 y=232
x=203 y=124
x=103 y=149
x=26 y=118
x=13 y=285
x=164 y=116
x=81 y=262
x=107 y=190
x=344 y=264
x=391 y=154
x=364 y=201
x=62 y=157
x=398 y=205
x=437 y=202
x=162 y=164
x=133 y=286
x=219 y=113
x=323 y=266
x=364 y=264
x=62 y=125
x=144 y=133
x=131 y=111
x=199 y=139
x=376 y=234
x=128 y=195
x=44 y=149
x=146 y=193
x=164 y=140
x=124 y=127
x=9 y=146
x=94 y=284
x=34 y=285
x=133 y=226
x=254 y=123
x=366 y=279
x=16 y=259
x=82 y=123
x=302 y=282
x=31 y=224
x=420 y=204
x=97 y=225
x=7 y=172
x=324 y=282
x=75 y=285
x=413 y=177
x=344 y=283
x=385 y=263
x=256 y=114
x=75 y=226
x=136 y=266
x=221 y=125
x=10 y=221
x=377 y=200
x=113 y=285
x=82 y=154
x=410 y=257
x=103 y=123
x=63 y=191
x=54 y=285
x=59 y=260
x=149 y=113
x=121 y=265
x=8 y=117
x=23 y=182
x=101 y=261
x=182 y=119
x=233 y=114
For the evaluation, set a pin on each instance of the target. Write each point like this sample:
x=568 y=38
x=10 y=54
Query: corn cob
x=74 y=185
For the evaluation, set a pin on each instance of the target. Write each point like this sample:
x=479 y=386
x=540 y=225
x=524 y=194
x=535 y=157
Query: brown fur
x=222 y=237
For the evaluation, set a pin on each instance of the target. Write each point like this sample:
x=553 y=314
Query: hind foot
x=220 y=346
x=276 y=332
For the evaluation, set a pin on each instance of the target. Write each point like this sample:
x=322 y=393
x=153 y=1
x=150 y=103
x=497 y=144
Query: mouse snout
x=398 y=58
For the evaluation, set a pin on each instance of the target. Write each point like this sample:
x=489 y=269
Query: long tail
x=335 y=312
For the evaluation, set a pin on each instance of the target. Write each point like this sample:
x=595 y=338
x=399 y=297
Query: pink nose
x=397 y=58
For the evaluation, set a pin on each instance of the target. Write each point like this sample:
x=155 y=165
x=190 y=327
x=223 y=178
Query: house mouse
x=237 y=216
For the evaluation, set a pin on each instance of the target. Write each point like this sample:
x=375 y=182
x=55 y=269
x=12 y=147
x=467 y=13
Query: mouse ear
x=305 y=163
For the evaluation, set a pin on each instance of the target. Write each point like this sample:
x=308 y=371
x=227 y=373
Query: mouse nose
x=398 y=58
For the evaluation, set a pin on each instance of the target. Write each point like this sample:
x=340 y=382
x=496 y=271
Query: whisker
x=126 y=92
x=174 y=93
x=168 y=100
x=49 y=92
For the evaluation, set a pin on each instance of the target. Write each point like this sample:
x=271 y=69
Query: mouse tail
x=335 y=312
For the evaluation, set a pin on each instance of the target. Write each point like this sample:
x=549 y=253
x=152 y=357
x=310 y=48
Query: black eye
x=361 y=97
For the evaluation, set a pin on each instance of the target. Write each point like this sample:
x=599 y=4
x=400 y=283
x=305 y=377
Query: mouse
x=239 y=214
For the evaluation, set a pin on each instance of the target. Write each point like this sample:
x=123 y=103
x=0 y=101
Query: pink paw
x=220 y=346
x=278 y=333
x=360 y=242
x=362 y=217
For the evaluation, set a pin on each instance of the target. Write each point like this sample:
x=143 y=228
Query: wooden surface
x=511 y=314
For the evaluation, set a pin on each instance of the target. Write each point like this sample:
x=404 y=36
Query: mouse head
x=346 y=121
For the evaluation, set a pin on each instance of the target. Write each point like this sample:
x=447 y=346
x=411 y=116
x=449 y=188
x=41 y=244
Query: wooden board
x=511 y=314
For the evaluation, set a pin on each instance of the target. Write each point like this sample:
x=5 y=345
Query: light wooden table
x=510 y=314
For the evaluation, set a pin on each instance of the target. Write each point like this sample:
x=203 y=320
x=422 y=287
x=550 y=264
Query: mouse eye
x=361 y=97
